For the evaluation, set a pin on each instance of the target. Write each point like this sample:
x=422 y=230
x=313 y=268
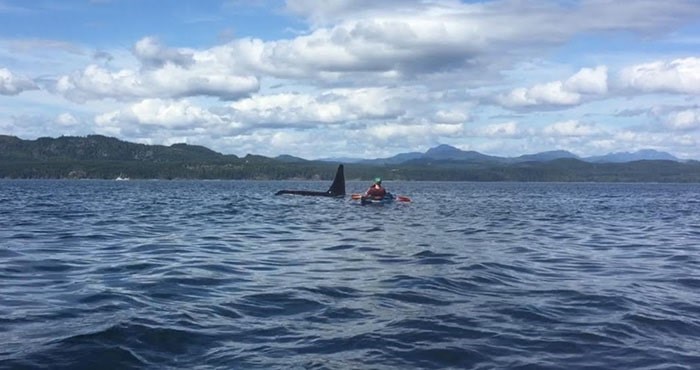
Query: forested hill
x=97 y=147
x=101 y=157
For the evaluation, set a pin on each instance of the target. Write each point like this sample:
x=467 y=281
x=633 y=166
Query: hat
x=377 y=180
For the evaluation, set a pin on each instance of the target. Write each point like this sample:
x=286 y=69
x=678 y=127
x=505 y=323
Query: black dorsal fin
x=338 y=186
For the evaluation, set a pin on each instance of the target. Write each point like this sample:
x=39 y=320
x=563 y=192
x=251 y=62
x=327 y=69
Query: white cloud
x=589 y=81
x=684 y=120
x=506 y=129
x=169 y=81
x=11 y=84
x=552 y=93
x=67 y=119
x=386 y=41
x=428 y=36
x=529 y=17
x=332 y=106
x=285 y=139
x=290 y=109
x=571 y=128
x=152 y=53
x=680 y=76
x=629 y=140
x=167 y=73
x=173 y=114
x=95 y=83
x=450 y=116
x=379 y=42
x=570 y=92
x=388 y=131
x=164 y=114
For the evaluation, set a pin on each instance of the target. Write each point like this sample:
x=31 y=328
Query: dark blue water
x=219 y=274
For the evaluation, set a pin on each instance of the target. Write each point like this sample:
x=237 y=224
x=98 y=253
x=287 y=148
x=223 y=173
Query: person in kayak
x=376 y=191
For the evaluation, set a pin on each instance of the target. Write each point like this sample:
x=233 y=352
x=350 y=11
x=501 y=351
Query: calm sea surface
x=222 y=274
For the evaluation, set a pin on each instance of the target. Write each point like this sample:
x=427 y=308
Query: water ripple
x=220 y=274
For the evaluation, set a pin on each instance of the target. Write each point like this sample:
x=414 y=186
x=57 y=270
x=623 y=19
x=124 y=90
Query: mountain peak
x=448 y=152
x=442 y=149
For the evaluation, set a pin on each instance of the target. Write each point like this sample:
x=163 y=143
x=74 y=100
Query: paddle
x=400 y=198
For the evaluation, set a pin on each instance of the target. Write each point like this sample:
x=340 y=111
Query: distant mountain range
x=447 y=152
x=107 y=148
x=102 y=157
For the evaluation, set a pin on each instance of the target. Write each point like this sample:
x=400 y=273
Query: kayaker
x=376 y=191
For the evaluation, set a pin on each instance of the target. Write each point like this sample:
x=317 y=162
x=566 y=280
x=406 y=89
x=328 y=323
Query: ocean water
x=222 y=274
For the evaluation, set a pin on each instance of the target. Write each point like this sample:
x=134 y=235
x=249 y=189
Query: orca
x=337 y=188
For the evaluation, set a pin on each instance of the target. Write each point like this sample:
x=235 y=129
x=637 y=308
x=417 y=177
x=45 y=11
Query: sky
x=356 y=78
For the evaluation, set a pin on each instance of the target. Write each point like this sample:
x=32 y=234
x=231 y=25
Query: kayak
x=387 y=199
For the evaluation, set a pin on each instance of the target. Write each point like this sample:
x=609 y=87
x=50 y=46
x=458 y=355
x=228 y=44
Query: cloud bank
x=373 y=78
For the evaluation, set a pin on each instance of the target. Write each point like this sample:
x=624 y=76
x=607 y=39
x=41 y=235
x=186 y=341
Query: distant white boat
x=122 y=178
